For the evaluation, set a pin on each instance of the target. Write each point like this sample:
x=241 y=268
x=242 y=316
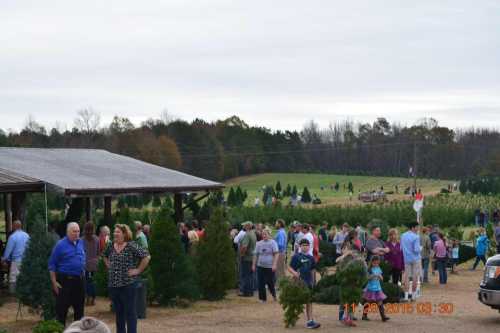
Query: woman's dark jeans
x=441 y=266
x=265 y=276
x=89 y=284
x=124 y=304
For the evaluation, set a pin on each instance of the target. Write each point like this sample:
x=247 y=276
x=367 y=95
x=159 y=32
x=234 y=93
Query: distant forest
x=229 y=148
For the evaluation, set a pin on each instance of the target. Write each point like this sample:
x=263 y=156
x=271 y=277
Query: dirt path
x=248 y=315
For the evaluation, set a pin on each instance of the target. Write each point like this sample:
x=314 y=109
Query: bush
x=48 y=326
x=101 y=279
x=386 y=268
x=456 y=233
x=328 y=295
x=33 y=287
x=294 y=294
x=173 y=274
x=216 y=259
x=352 y=276
x=328 y=255
x=392 y=291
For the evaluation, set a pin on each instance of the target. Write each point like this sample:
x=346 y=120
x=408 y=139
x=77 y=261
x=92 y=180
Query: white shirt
x=239 y=236
x=310 y=238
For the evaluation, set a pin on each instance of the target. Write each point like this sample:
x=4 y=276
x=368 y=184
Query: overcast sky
x=273 y=63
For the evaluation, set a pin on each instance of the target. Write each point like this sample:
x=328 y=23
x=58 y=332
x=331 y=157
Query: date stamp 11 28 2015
x=424 y=308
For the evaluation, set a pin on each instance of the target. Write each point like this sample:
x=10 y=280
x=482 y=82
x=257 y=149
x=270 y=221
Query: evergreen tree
x=231 y=198
x=278 y=188
x=156 y=200
x=173 y=273
x=122 y=202
x=306 y=196
x=294 y=191
x=288 y=191
x=216 y=259
x=33 y=287
x=350 y=187
x=146 y=199
x=240 y=197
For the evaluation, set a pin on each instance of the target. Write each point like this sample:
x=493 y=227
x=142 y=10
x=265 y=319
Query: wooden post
x=108 y=218
x=88 y=209
x=8 y=213
x=18 y=202
x=178 y=212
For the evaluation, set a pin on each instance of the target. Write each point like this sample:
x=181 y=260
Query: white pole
x=46 y=209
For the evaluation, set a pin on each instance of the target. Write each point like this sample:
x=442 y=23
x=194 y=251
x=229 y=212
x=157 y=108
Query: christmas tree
x=173 y=273
x=33 y=287
x=306 y=196
x=215 y=264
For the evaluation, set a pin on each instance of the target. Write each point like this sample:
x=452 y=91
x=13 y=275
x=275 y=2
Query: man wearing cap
x=247 y=249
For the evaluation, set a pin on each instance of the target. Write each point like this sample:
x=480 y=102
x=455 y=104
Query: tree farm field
x=253 y=184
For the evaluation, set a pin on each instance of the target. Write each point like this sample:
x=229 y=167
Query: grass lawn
x=253 y=185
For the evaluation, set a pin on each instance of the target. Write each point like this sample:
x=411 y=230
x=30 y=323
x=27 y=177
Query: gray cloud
x=276 y=64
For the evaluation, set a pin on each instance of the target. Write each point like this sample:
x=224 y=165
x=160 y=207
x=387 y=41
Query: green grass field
x=253 y=185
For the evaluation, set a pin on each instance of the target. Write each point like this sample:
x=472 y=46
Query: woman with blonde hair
x=125 y=260
x=395 y=255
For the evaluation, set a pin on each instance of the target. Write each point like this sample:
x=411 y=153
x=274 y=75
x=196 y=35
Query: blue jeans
x=247 y=277
x=425 y=268
x=124 y=303
x=441 y=266
x=89 y=284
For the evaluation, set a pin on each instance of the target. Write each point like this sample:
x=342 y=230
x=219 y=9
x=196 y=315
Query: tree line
x=230 y=148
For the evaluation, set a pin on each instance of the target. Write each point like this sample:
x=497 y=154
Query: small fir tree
x=278 y=188
x=294 y=191
x=231 y=198
x=288 y=191
x=216 y=259
x=306 y=196
x=33 y=287
x=240 y=197
x=173 y=273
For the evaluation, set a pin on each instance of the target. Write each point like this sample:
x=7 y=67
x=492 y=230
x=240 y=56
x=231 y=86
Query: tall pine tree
x=33 y=287
x=231 y=198
x=216 y=259
x=174 y=275
x=306 y=196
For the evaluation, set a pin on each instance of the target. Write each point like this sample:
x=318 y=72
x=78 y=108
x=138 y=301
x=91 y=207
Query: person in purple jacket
x=395 y=255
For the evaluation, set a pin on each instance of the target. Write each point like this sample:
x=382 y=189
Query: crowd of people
x=262 y=260
x=410 y=256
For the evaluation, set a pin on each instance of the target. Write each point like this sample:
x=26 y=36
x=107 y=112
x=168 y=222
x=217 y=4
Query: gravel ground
x=248 y=315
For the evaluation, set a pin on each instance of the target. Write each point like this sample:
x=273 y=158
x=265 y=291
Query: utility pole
x=415 y=166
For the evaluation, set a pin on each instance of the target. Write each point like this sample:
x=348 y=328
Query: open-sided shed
x=84 y=173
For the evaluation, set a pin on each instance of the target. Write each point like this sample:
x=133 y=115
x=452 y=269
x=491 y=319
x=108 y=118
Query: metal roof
x=14 y=182
x=92 y=171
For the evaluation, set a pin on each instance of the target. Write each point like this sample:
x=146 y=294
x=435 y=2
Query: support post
x=18 y=202
x=178 y=212
x=108 y=218
x=8 y=213
x=88 y=209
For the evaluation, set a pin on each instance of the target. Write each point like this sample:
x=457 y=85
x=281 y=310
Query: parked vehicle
x=374 y=196
x=489 y=289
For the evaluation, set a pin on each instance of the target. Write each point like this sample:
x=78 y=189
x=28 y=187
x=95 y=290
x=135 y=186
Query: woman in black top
x=125 y=260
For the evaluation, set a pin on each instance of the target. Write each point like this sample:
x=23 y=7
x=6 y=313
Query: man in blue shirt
x=66 y=266
x=410 y=245
x=281 y=240
x=14 y=252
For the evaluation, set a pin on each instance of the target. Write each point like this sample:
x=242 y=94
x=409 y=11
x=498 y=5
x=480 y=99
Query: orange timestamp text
x=423 y=308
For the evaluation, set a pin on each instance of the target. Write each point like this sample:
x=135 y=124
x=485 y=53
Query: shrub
x=33 y=287
x=48 y=326
x=328 y=254
x=216 y=259
x=328 y=295
x=294 y=294
x=173 y=274
x=456 y=233
x=101 y=279
x=386 y=268
x=352 y=276
x=392 y=291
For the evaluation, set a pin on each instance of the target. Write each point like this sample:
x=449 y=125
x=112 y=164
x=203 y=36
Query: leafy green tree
x=173 y=273
x=216 y=259
x=33 y=287
x=306 y=196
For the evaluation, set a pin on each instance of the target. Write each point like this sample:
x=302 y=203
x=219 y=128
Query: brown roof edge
x=115 y=191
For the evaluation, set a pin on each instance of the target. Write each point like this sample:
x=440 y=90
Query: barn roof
x=91 y=171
